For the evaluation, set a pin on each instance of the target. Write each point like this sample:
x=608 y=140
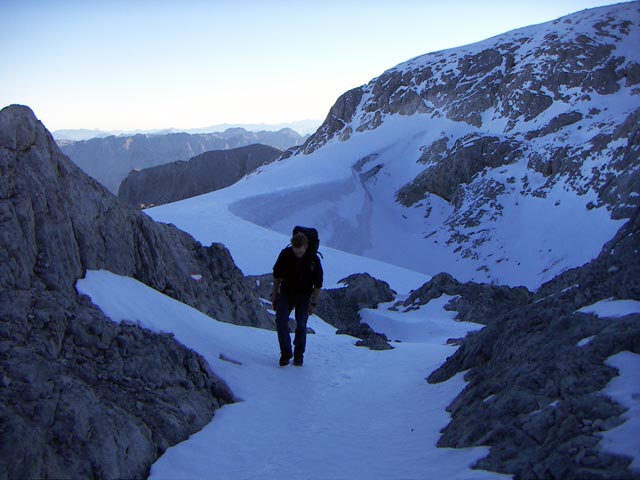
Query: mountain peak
x=504 y=83
x=18 y=127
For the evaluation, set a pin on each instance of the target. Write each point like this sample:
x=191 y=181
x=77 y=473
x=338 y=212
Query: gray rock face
x=341 y=307
x=202 y=174
x=467 y=157
x=82 y=397
x=474 y=302
x=62 y=223
x=109 y=160
x=337 y=120
x=533 y=393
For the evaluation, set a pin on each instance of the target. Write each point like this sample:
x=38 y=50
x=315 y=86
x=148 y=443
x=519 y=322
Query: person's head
x=299 y=244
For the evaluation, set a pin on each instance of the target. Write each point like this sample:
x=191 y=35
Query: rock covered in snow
x=81 y=396
x=534 y=384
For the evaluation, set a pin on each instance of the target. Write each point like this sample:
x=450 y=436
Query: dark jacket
x=298 y=275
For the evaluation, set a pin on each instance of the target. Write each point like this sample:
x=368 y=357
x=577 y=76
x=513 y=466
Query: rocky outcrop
x=109 y=160
x=473 y=302
x=338 y=120
x=82 y=397
x=202 y=174
x=59 y=223
x=456 y=166
x=536 y=371
x=340 y=307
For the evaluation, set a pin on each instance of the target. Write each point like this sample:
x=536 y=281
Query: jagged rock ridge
x=201 y=174
x=82 y=397
x=109 y=160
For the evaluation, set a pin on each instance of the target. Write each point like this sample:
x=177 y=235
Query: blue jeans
x=287 y=301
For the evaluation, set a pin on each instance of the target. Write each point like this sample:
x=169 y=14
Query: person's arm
x=314 y=300
x=274 y=294
x=317 y=285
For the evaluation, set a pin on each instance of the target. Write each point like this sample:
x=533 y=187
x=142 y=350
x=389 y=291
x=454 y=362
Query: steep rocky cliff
x=201 y=174
x=82 y=397
x=109 y=160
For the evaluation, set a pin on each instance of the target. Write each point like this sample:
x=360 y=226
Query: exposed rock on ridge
x=64 y=223
x=82 y=397
x=202 y=174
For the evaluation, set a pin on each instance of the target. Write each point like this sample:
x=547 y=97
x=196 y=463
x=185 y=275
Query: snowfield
x=349 y=412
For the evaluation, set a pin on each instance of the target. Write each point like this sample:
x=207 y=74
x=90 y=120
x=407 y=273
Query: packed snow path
x=348 y=413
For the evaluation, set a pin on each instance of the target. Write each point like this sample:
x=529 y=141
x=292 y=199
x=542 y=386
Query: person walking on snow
x=297 y=280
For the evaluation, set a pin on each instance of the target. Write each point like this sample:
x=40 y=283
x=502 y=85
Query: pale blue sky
x=144 y=64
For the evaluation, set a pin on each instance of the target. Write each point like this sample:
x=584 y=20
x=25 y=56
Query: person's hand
x=312 y=308
x=274 y=301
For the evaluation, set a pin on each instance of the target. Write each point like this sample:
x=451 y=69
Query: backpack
x=312 y=237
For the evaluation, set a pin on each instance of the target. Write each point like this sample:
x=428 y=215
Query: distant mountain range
x=109 y=160
x=303 y=127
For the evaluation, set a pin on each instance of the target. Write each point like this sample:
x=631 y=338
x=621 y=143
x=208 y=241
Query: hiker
x=297 y=280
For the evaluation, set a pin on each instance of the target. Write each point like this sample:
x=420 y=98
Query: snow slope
x=348 y=413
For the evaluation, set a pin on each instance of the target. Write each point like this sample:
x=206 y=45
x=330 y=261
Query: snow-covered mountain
x=509 y=161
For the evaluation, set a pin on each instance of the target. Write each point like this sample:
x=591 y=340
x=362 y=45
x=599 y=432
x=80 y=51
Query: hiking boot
x=297 y=360
x=284 y=359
